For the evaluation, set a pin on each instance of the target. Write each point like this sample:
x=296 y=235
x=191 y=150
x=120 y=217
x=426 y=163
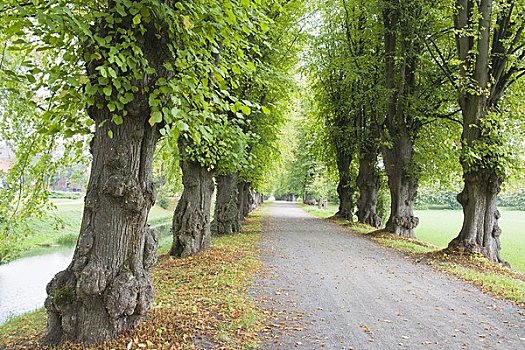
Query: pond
x=23 y=281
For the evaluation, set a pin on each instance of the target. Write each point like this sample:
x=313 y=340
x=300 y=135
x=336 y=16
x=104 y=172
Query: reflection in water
x=23 y=282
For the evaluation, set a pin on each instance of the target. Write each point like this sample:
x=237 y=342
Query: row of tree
x=418 y=89
x=205 y=83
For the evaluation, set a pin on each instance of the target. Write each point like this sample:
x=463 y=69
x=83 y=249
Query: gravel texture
x=328 y=288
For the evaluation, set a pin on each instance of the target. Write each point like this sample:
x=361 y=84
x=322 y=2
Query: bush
x=432 y=199
x=515 y=200
x=163 y=201
x=68 y=240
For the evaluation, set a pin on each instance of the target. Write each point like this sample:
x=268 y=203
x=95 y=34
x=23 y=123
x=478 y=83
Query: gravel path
x=331 y=289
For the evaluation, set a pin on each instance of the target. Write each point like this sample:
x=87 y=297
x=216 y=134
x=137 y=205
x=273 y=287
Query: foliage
x=435 y=198
x=514 y=200
x=64 y=195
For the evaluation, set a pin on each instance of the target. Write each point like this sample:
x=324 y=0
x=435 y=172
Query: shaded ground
x=330 y=289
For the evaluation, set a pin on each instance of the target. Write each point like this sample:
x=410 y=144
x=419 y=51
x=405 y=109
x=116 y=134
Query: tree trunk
x=226 y=207
x=403 y=187
x=368 y=182
x=245 y=200
x=107 y=289
x=401 y=62
x=191 y=221
x=345 y=189
x=480 y=232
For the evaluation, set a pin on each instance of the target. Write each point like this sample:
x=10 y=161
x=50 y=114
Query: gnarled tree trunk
x=226 y=207
x=401 y=128
x=403 y=188
x=107 y=289
x=368 y=182
x=480 y=232
x=345 y=189
x=486 y=65
x=191 y=220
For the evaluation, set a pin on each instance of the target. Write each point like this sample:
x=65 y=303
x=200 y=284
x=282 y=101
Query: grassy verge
x=201 y=301
x=61 y=227
x=495 y=279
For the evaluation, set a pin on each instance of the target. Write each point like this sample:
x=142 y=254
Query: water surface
x=23 y=281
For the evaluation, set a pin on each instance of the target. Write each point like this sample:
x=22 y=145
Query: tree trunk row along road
x=331 y=289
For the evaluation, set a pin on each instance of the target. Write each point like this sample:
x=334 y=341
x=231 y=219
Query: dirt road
x=334 y=290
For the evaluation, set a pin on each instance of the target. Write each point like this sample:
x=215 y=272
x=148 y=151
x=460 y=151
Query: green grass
x=329 y=211
x=439 y=227
x=62 y=226
x=496 y=283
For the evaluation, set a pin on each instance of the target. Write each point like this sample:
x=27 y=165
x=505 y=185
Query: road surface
x=331 y=289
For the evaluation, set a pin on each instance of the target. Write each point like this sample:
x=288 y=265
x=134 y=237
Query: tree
x=489 y=43
x=268 y=87
x=132 y=66
x=415 y=96
x=218 y=136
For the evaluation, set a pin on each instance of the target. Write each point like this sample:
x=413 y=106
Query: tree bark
x=226 y=207
x=245 y=200
x=345 y=189
x=368 y=182
x=403 y=188
x=107 y=289
x=480 y=232
x=191 y=221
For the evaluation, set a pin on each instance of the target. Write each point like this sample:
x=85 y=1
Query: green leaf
x=157 y=116
x=265 y=110
x=107 y=90
x=137 y=19
x=246 y=110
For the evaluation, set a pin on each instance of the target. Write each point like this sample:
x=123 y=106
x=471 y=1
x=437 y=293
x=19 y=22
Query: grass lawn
x=440 y=226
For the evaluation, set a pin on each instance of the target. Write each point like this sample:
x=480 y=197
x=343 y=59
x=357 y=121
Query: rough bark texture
x=191 y=221
x=107 y=289
x=245 y=199
x=345 y=189
x=403 y=190
x=368 y=182
x=226 y=207
x=480 y=232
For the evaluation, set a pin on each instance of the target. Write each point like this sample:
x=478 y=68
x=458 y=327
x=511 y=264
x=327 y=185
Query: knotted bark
x=345 y=189
x=480 y=232
x=245 y=199
x=368 y=182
